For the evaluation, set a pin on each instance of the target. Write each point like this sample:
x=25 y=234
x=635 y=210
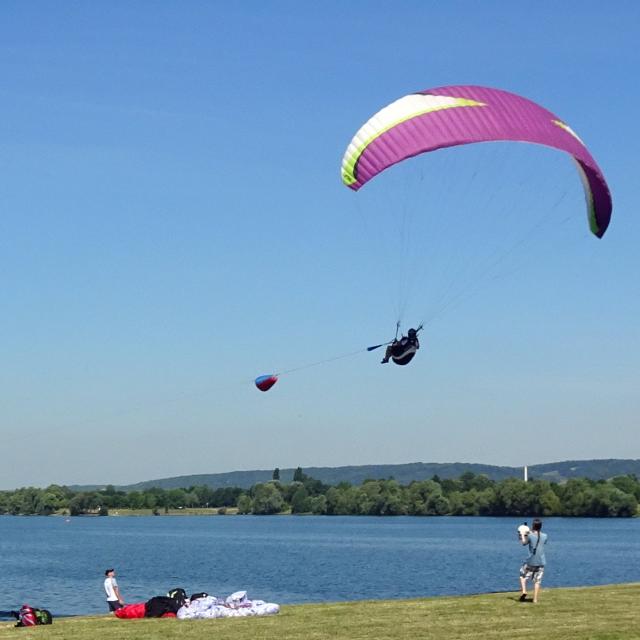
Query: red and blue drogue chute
x=264 y=383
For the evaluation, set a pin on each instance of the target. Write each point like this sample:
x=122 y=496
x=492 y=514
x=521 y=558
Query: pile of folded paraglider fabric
x=237 y=605
x=199 y=606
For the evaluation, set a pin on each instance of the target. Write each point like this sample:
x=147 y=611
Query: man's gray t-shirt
x=536 y=549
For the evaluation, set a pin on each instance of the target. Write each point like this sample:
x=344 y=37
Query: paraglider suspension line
x=316 y=364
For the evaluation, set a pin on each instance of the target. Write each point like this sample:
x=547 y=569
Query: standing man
x=533 y=568
x=114 y=599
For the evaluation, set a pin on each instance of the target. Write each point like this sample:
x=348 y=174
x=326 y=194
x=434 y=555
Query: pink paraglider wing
x=457 y=115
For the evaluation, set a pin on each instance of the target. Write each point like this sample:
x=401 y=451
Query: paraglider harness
x=402 y=350
x=157 y=606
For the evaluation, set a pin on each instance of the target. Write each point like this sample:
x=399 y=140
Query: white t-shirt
x=109 y=588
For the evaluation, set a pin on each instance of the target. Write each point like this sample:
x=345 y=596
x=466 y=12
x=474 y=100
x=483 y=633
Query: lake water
x=59 y=563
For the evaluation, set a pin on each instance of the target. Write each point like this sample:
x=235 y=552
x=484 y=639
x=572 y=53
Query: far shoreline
x=233 y=511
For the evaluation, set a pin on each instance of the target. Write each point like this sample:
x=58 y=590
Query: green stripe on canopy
x=397 y=113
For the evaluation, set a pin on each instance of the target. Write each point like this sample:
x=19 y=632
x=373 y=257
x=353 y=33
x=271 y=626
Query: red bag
x=130 y=611
x=27 y=616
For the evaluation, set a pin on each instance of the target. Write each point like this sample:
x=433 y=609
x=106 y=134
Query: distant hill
x=403 y=473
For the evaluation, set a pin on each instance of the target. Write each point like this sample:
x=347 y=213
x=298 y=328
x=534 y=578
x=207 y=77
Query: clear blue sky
x=173 y=224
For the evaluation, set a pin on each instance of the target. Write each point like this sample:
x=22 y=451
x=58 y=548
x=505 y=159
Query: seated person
x=402 y=350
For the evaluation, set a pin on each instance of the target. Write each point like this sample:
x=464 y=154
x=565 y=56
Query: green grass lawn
x=596 y=613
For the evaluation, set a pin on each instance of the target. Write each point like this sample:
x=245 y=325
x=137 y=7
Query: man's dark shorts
x=114 y=605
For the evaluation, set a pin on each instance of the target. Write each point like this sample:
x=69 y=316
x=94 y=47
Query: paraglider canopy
x=264 y=383
x=457 y=115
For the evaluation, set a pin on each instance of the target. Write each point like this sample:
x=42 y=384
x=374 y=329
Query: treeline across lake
x=468 y=495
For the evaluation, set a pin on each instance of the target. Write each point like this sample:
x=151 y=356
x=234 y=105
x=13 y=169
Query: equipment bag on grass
x=30 y=616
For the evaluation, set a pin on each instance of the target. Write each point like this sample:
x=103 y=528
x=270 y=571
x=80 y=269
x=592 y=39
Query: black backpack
x=159 y=605
x=179 y=595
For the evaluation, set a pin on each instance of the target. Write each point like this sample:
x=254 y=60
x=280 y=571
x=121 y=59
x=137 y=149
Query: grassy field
x=595 y=613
